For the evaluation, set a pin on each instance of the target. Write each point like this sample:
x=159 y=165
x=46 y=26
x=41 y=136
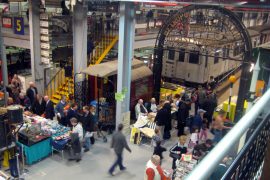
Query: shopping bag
x=88 y=134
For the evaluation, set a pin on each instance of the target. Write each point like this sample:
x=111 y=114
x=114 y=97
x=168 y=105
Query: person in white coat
x=153 y=169
x=76 y=140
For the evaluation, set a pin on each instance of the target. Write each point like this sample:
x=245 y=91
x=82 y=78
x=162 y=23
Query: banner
x=19 y=25
x=7 y=22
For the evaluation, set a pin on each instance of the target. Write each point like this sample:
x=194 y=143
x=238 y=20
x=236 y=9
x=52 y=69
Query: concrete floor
x=95 y=164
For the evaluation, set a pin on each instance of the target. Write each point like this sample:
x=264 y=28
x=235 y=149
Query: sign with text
x=19 y=25
x=7 y=22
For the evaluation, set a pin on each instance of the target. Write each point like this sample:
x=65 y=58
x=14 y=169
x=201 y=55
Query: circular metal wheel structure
x=205 y=30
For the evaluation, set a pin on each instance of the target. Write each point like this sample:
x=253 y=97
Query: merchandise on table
x=183 y=168
x=141 y=122
x=37 y=128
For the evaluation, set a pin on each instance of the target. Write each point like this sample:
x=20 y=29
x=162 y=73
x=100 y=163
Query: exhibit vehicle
x=194 y=63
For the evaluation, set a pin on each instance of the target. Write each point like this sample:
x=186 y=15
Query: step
x=68 y=84
x=61 y=93
x=70 y=81
x=66 y=89
x=55 y=96
x=55 y=101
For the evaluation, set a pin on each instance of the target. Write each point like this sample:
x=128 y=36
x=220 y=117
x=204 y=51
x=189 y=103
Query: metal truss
x=204 y=28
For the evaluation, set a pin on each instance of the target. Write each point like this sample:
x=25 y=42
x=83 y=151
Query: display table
x=183 y=169
x=37 y=151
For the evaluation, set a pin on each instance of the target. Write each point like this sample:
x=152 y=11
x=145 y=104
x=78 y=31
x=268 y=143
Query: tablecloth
x=37 y=151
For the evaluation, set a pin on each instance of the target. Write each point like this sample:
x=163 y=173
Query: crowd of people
x=82 y=124
x=193 y=129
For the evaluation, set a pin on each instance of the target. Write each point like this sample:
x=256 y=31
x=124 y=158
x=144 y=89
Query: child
x=203 y=132
x=158 y=150
x=156 y=138
x=194 y=138
x=178 y=149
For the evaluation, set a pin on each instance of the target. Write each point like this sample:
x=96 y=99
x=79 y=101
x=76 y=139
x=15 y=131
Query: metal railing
x=54 y=82
x=227 y=76
x=254 y=128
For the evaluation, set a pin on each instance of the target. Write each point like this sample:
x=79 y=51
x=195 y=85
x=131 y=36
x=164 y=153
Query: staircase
x=58 y=86
x=65 y=89
x=104 y=46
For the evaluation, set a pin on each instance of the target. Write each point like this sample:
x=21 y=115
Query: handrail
x=47 y=85
x=207 y=166
x=228 y=75
x=54 y=83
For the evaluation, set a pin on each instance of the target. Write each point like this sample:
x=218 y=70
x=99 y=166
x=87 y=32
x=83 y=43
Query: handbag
x=92 y=139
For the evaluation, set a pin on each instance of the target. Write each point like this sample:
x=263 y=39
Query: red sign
x=7 y=22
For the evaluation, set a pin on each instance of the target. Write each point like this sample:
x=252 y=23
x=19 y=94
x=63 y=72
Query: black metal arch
x=165 y=30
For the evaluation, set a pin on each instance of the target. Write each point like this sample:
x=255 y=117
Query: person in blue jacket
x=198 y=119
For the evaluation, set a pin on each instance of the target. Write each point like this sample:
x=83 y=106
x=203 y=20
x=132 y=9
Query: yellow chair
x=133 y=139
x=5 y=162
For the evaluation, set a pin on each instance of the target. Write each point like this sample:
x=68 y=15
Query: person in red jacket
x=153 y=169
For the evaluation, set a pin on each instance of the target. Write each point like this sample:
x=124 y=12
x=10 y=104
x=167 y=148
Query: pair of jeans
x=218 y=135
x=87 y=143
x=119 y=161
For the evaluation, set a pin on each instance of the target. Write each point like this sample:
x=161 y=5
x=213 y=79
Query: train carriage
x=195 y=64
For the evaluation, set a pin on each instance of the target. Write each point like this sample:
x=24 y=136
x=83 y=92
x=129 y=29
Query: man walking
x=118 y=144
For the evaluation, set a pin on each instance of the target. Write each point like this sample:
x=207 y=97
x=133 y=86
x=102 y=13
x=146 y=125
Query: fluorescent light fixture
x=241 y=3
x=251 y=67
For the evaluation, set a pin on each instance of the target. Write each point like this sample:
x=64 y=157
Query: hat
x=201 y=111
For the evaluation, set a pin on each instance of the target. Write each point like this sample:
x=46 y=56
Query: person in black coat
x=88 y=120
x=38 y=106
x=168 y=121
x=160 y=119
x=209 y=106
x=183 y=114
x=49 y=109
x=72 y=113
x=32 y=92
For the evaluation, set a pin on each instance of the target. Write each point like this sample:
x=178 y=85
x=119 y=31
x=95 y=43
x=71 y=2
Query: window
x=265 y=18
x=171 y=53
x=141 y=88
x=237 y=49
x=228 y=51
x=194 y=57
x=224 y=51
x=206 y=59
x=181 y=55
x=216 y=57
x=255 y=43
x=254 y=16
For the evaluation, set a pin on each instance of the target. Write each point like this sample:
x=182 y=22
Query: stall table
x=38 y=151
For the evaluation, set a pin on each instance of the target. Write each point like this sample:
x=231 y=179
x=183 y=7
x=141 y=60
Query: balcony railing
x=246 y=143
